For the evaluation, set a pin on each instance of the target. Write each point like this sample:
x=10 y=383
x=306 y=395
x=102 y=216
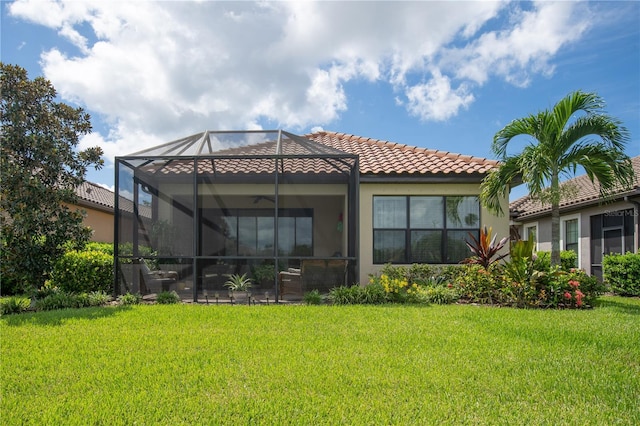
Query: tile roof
x=97 y=197
x=94 y=195
x=383 y=157
x=376 y=158
x=584 y=193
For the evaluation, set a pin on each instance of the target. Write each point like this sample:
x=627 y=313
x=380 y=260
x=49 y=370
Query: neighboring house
x=588 y=226
x=235 y=202
x=97 y=202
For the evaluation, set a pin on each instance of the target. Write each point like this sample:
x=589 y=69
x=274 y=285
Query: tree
x=40 y=169
x=576 y=132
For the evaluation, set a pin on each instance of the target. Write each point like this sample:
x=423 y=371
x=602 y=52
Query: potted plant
x=238 y=285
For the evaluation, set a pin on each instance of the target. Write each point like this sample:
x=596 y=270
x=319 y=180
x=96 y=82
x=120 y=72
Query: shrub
x=441 y=295
x=373 y=294
x=561 y=289
x=312 y=297
x=346 y=295
x=83 y=271
x=622 y=273
x=130 y=299
x=101 y=247
x=57 y=300
x=168 y=297
x=98 y=298
x=44 y=291
x=479 y=285
x=568 y=260
x=14 y=305
x=394 y=287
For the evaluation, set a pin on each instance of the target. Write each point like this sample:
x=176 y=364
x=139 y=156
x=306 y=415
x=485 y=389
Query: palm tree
x=576 y=132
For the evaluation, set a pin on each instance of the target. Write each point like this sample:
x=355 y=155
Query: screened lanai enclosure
x=270 y=205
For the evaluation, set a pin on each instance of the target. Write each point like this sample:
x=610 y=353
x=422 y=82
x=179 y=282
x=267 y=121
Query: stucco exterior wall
x=584 y=225
x=500 y=225
x=100 y=222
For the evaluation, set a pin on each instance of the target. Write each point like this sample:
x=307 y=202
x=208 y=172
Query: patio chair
x=314 y=274
x=153 y=279
x=323 y=275
x=290 y=283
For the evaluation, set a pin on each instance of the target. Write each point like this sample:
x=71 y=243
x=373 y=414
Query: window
x=251 y=232
x=423 y=229
x=571 y=235
x=531 y=233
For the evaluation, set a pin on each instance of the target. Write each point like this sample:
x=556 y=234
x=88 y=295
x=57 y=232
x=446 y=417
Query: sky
x=434 y=74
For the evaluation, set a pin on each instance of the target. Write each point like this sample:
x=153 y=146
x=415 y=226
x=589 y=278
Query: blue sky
x=440 y=75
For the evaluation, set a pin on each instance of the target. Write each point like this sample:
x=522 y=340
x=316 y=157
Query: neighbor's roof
x=92 y=195
x=376 y=158
x=586 y=193
x=97 y=197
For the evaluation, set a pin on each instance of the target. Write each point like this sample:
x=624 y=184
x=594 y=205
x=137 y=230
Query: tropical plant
x=485 y=249
x=237 y=282
x=520 y=266
x=40 y=168
x=130 y=299
x=167 y=298
x=312 y=297
x=575 y=133
x=14 y=305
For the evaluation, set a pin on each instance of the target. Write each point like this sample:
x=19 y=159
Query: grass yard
x=303 y=365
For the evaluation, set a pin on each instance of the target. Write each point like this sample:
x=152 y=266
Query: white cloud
x=436 y=99
x=159 y=70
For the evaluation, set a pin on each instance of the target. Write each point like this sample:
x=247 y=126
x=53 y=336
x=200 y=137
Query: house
x=97 y=203
x=588 y=226
x=324 y=204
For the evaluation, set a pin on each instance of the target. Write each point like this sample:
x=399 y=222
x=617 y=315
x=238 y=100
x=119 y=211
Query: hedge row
x=622 y=273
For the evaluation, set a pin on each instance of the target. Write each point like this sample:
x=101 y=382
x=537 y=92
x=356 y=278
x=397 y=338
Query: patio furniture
x=151 y=279
x=314 y=274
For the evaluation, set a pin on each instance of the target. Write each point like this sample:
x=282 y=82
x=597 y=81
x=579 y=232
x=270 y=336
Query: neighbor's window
x=423 y=229
x=571 y=235
x=530 y=234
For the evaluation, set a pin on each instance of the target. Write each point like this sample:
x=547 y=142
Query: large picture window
x=250 y=232
x=423 y=229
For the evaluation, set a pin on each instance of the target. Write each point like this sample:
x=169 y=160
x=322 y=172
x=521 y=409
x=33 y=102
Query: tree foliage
x=575 y=132
x=40 y=169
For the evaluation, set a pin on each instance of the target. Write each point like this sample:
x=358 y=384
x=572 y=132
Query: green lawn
x=303 y=365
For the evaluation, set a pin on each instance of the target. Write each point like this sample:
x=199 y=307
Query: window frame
x=444 y=249
x=238 y=213
x=563 y=233
x=525 y=237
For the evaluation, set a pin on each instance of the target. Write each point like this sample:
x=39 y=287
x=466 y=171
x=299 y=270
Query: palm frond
x=519 y=127
x=495 y=186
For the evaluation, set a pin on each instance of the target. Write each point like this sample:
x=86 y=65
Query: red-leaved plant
x=484 y=249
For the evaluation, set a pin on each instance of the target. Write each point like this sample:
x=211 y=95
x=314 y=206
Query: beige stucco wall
x=500 y=225
x=100 y=222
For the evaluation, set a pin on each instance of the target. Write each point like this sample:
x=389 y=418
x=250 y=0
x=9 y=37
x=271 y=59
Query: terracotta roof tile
x=376 y=158
x=383 y=157
x=585 y=192
x=95 y=194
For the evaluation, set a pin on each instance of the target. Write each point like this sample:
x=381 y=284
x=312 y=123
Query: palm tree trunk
x=555 y=219
x=555 y=234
